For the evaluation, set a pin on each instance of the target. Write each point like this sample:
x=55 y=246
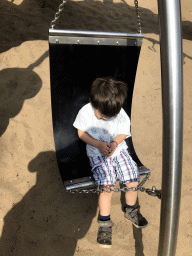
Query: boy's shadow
x=48 y=220
x=137 y=233
x=17 y=85
x=15 y=88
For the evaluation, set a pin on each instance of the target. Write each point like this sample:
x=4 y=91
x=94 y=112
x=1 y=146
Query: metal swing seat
x=77 y=58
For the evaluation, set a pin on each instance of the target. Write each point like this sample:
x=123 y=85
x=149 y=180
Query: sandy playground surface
x=37 y=216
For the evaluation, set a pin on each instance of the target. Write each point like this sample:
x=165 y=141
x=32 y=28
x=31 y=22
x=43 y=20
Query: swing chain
x=61 y=7
x=151 y=192
x=57 y=14
x=138 y=16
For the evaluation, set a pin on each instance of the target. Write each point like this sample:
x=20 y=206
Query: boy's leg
x=104 y=236
x=105 y=201
x=131 y=196
x=132 y=211
x=127 y=171
x=104 y=173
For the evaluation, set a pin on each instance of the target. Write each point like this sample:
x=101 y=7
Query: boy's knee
x=107 y=188
x=132 y=184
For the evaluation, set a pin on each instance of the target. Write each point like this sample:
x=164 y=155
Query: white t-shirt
x=103 y=130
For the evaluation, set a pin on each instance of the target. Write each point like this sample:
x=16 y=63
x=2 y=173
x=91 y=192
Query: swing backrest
x=77 y=58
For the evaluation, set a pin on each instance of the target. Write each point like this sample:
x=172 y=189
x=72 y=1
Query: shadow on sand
x=17 y=85
x=48 y=220
x=31 y=20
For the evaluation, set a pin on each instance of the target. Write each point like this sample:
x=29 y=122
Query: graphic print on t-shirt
x=102 y=130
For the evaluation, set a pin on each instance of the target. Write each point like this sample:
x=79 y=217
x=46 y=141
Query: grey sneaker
x=136 y=217
x=104 y=236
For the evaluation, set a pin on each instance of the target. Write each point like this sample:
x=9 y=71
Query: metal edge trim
x=77 y=181
x=144 y=172
x=95 y=41
x=61 y=32
x=81 y=185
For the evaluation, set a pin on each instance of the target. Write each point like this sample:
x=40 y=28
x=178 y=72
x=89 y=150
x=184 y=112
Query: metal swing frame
x=172 y=106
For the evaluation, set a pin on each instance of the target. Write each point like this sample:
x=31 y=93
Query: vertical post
x=172 y=103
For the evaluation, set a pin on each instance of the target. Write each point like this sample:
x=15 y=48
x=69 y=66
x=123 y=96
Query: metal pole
x=172 y=103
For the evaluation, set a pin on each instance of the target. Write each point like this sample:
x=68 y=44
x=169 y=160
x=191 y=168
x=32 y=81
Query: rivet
x=98 y=42
x=78 y=41
x=117 y=43
x=57 y=41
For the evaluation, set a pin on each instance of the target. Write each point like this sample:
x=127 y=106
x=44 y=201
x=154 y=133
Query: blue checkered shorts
x=106 y=170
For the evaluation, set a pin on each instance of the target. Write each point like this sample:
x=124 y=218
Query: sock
x=129 y=206
x=104 y=218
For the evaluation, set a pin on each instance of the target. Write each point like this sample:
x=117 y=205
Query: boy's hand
x=112 y=148
x=104 y=148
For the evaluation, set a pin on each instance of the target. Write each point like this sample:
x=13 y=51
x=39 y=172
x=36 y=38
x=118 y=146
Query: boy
x=103 y=125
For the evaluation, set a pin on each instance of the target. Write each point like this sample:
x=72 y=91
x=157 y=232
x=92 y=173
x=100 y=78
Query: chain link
x=125 y=189
x=61 y=7
x=151 y=192
x=138 y=16
x=89 y=191
x=57 y=14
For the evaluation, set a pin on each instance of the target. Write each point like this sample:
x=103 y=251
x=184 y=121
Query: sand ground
x=37 y=215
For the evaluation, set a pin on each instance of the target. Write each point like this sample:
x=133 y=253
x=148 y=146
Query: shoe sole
x=106 y=246
x=140 y=227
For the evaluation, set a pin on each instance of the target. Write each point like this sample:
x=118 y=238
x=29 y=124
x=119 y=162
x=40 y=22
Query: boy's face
x=99 y=115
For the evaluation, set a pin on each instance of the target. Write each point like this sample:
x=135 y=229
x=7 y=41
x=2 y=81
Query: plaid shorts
x=106 y=170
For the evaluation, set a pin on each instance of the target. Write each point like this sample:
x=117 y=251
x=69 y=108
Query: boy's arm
x=102 y=146
x=118 y=139
x=87 y=138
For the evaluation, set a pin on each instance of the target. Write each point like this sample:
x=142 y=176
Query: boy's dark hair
x=108 y=95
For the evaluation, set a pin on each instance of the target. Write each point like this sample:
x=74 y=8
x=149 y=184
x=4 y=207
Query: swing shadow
x=154 y=42
x=17 y=85
x=119 y=17
x=137 y=233
x=48 y=220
